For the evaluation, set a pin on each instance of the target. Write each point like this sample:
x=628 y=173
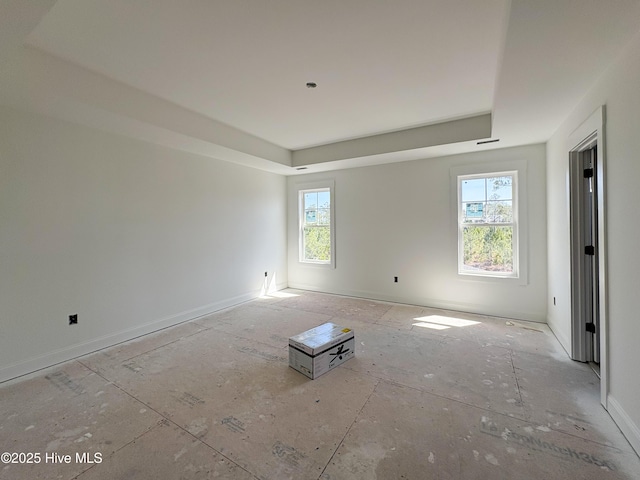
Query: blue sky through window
x=482 y=189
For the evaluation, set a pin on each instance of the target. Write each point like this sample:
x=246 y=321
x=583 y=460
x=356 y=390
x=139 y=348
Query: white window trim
x=513 y=224
x=316 y=185
x=520 y=219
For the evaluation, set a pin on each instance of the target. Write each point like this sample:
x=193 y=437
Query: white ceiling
x=227 y=78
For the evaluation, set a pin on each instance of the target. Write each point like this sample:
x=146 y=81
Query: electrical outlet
x=395 y=279
x=265 y=274
x=73 y=319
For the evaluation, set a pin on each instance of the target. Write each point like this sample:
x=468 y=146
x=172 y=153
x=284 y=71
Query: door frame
x=590 y=133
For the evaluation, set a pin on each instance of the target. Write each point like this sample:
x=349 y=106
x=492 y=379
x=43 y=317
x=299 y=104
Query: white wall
x=619 y=91
x=399 y=220
x=130 y=236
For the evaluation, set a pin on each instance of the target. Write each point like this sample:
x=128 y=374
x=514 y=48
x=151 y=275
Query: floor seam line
x=349 y=429
x=444 y=397
x=248 y=339
x=165 y=419
x=163 y=345
x=515 y=376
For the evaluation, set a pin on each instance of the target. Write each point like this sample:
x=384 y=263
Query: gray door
x=590 y=258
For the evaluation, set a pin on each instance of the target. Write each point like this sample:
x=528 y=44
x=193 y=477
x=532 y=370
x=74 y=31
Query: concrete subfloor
x=431 y=394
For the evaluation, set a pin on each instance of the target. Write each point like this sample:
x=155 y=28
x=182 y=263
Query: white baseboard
x=494 y=310
x=74 y=351
x=565 y=342
x=629 y=429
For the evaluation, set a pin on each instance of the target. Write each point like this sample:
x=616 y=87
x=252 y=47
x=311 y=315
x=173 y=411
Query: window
x=487 y=224
x=316 y=235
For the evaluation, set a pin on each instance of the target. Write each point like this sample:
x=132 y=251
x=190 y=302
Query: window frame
x=518 y=169
x=513 y=224
x=322 y=186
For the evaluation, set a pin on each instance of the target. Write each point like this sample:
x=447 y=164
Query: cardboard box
x=320 y=349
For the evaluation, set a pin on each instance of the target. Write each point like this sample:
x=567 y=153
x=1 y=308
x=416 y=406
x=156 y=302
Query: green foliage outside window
x=317 y=243
x=487 y=224
x=488 y=248
x=316 y=225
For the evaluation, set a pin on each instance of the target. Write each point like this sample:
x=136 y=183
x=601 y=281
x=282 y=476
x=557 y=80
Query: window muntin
x=315 y=226
x=487 y=224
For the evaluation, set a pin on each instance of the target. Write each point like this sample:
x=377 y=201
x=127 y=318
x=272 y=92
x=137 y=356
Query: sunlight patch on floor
x=278 y=295
x=438 y=322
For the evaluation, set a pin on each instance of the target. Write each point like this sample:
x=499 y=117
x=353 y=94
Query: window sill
x=473 y=277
